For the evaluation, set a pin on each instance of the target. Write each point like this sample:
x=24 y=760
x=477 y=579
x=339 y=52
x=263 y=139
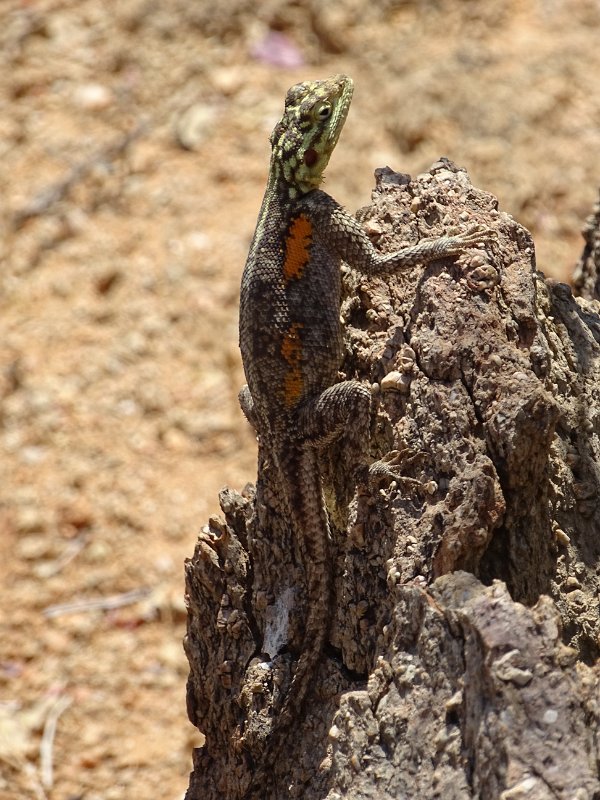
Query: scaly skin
x=291 y=345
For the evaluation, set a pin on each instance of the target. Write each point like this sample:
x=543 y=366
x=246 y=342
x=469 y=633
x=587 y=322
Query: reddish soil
x=121 y=253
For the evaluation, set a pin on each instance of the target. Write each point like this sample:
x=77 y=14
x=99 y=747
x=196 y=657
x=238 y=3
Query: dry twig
x=47 y=743
x=60 y=189
x=102 y=604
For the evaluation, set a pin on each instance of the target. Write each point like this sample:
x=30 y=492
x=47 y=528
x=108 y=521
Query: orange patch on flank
x=297 y=247
x=291 y=350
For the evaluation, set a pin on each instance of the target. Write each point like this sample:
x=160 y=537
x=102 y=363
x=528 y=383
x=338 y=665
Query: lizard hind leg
x=341 y=414
x=337 y=423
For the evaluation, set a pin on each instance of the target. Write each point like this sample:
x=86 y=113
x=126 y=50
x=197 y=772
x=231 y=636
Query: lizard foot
x=455 y=245
x=389 y=468
x=478 y=234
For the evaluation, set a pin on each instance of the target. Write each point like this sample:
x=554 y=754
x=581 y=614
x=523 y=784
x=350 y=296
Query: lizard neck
x=282 y=185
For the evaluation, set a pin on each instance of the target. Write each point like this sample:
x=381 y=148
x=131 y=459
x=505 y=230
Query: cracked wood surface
x=462 y=661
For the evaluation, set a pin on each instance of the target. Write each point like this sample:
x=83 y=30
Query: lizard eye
x=323 y=112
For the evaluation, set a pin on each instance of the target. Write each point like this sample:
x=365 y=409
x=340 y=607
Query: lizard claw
x=389 y=468
x=478 y=234
x=456 y=245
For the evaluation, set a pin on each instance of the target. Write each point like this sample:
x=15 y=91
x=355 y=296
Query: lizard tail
x=307 y=510
x=314 y=537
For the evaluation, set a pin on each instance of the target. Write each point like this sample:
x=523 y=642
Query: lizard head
x=304 y=138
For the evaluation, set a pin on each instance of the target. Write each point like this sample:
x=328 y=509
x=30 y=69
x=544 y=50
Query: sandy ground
x=133 y=156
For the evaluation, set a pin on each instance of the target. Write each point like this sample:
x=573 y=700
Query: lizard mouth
x=345 y=89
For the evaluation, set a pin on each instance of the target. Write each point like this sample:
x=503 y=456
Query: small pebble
x=195 y=125
x=93 y=97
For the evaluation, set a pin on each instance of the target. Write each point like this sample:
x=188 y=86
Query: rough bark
x=463 y=655
x=586 y=278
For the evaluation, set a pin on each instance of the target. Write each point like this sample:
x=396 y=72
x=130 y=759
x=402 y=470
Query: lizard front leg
x=345 y=236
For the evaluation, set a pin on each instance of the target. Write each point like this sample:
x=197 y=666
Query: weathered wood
x=463 y=653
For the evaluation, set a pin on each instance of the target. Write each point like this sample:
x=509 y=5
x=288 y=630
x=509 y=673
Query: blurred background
x=133 y=158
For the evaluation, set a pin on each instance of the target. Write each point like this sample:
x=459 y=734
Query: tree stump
x=463 y=650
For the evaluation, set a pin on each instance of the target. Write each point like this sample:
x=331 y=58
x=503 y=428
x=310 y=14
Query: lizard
x=291 y=344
